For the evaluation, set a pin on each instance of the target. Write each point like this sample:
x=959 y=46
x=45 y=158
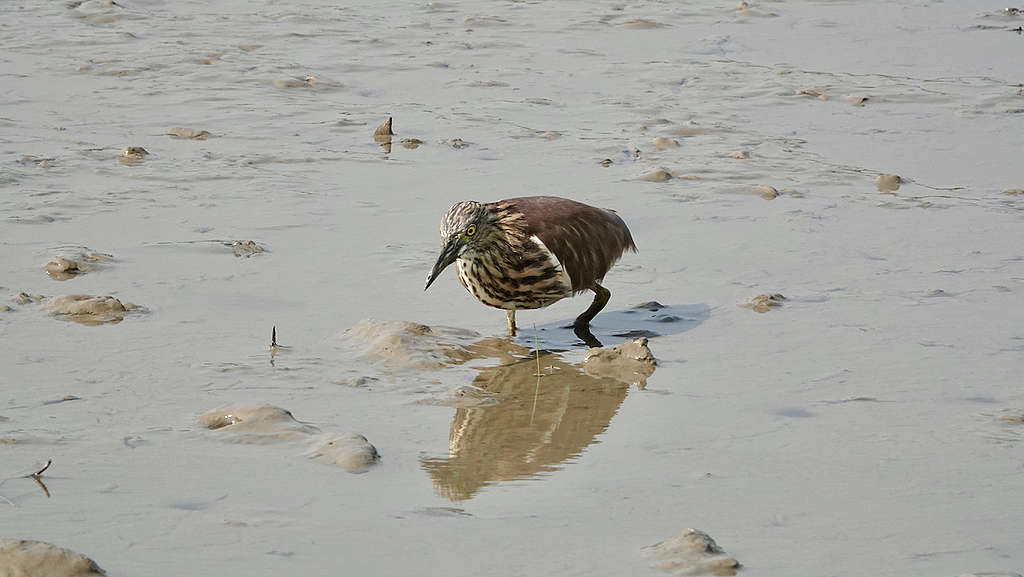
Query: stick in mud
x=274 y=346
x=37 y=477
x=38 y=473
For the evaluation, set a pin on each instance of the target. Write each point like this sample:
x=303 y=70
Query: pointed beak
x=449 y=252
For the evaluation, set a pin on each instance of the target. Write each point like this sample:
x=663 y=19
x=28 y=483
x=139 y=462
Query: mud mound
x=23 y=558
x=692 y=552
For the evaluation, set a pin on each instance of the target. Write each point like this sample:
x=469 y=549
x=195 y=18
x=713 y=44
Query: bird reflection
x=542 y=420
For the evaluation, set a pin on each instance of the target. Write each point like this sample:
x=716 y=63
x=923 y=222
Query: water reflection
x=540 y=423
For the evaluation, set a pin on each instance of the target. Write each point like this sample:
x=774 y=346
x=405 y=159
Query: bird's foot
x=582 y=331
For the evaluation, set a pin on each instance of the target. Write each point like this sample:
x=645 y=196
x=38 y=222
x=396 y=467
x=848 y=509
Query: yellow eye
x=471 y=230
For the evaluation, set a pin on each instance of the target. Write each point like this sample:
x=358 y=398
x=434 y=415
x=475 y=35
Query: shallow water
x=853 y=430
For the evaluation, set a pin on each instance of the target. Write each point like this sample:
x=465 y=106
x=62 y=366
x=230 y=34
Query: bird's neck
x=508 y=233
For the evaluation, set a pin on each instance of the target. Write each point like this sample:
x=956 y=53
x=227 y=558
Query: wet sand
x=222 y=159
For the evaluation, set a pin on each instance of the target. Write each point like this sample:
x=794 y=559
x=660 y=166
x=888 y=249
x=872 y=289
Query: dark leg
x=511 y=317
x=601 y=298
x=584 y=334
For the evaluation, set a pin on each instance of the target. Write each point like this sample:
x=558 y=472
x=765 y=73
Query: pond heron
x=530 y=252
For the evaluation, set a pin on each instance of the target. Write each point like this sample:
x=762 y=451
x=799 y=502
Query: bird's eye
x=471 y=230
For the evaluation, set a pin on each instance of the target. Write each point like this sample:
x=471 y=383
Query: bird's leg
x=511 y=315
x=601 y=298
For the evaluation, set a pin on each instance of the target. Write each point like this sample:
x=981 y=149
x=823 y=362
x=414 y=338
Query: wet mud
x=409 y=345
x=246 y=248
x=255 y=424
x=660 y=175
x=631 y=362
x=188 y=133
x=766 y=302
x=351 y=452
x=692 y=552
x=267 y=424
x=888 y=182
x=182 y=130
x=89 y=309
x=312 y=83
x=24 y=298
x=72 y=262
x=25 y=558
x=133 y=154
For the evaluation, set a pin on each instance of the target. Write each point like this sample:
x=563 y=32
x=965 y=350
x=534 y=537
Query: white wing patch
x=563 y=276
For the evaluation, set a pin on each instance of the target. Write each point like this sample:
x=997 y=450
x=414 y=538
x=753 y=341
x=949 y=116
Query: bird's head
x=465 y=227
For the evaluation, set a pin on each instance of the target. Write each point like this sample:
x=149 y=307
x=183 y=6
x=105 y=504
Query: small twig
x=274 y=347
x=951 y=188
x=536 y=389
x=38 y=473
x=536 y=348
x=36 y=476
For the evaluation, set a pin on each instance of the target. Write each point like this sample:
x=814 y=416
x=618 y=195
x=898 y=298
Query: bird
x=531 y=252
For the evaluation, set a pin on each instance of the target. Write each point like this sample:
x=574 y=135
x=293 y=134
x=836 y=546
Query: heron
x=531 y=252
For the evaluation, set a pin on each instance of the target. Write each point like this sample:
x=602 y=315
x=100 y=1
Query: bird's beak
x=449 y=252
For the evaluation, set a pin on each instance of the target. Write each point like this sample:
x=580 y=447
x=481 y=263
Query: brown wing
x=587 y=240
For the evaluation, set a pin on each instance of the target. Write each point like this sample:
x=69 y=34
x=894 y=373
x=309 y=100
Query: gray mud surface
x=218 y=160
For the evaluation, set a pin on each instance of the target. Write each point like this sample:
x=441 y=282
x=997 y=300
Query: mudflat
x=812 y=365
